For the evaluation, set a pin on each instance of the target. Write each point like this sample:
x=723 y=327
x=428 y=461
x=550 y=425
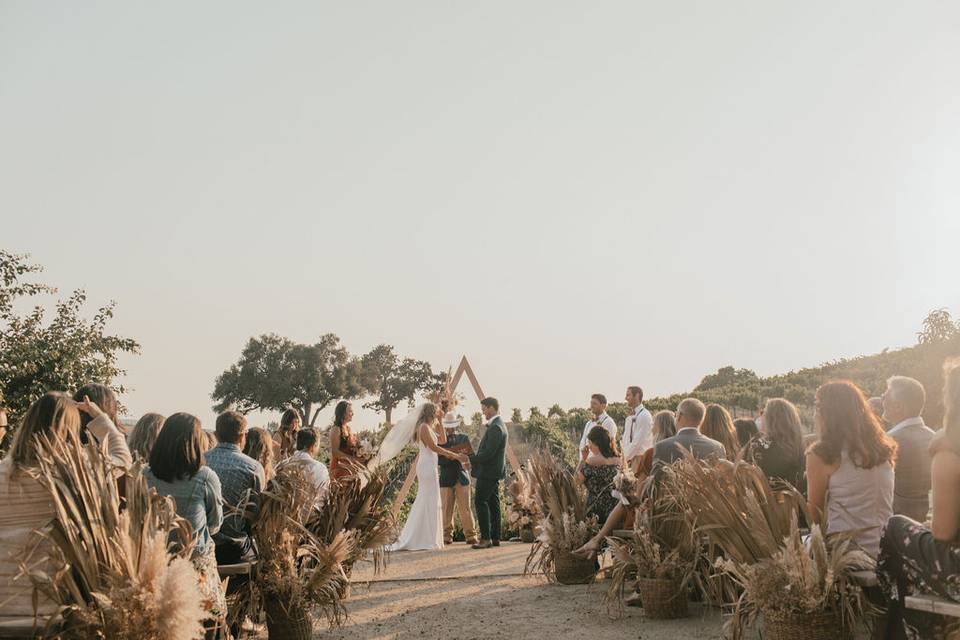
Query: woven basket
x=662 y=598
x=571 y=569
x=287 y=623
x=807 y=626
x=527 y=535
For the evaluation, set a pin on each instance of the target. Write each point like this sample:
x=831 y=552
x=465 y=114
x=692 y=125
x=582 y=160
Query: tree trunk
x=389 y=412
x=307 y=407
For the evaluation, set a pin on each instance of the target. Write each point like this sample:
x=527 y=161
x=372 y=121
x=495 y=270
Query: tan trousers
x=459 y=494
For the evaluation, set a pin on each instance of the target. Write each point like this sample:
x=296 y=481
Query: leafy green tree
x=556 y=410
x=274 y=372
x=535 y=411
x=726 y=376
x=393 y=380
x=938 y=326
x=516 y=416
x=38 y=354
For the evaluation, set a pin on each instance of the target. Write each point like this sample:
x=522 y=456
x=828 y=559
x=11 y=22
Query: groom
x=489 y=467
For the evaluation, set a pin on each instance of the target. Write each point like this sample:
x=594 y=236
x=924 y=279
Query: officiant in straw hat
x=455 y=484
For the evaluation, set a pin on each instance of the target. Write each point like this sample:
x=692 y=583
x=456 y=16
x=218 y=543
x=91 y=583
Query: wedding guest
x=902 y=405
x=259 y=446
x=637 y=435
x=106 y=400
x=27 y=505
x=286 y=435
x=852 y=462
x=664 y=426
x=241 y=480
x=308 y=446
x=718 y=425
x=343 y=444
x=746 y=429
x=210 y=440
x=689 y=416
x=3 y=423
x=598 y=407
x=597 y=469
x=455 y=485
x=177 y=469
x=779 y=450
x=144 y=435
x=489 y=467
x=876 y=405
x=916 y=559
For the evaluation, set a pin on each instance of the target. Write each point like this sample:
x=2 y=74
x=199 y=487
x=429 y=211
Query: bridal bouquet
x=366 y=449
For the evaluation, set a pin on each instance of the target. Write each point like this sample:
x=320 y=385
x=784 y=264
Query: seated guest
x=286 y=436
x=916 y=559
x=598 y=407
x=259 y=446
x=597 y=469
x=3 y=423
x=106 y=400
x=343 y=443
x=177 y=470
x=852 y=463
x=27 y=505
x=241 y=480
x=621 y=517
x=637 y=435
x=779 y=450
x=718 y=425
x=144 y=435
x=746 y=429
x=308 y=445
x=689 y=416
x=902 y=405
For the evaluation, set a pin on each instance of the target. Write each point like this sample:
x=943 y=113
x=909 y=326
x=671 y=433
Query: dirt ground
x=462 y=593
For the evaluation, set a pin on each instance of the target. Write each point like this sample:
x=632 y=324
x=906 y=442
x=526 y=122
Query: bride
x=424 y=527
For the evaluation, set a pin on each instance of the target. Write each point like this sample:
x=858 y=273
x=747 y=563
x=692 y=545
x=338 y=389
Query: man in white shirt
x=598 y=407
x=637 y=429
x=308 y=445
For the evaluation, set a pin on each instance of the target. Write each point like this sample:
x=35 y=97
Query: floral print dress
x=598 y=479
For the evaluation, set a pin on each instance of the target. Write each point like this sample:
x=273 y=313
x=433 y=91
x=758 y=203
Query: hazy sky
x=579 y=196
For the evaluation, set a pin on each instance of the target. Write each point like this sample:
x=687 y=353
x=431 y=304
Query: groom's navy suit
x=489 y=467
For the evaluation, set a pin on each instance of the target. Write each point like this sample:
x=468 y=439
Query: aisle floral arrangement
x=523 y=513
x=564 y=526
x=110 y=571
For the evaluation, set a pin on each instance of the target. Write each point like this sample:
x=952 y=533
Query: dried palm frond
x=801 y=578
x=564 y=524
x=355 y=504
x=112 y=573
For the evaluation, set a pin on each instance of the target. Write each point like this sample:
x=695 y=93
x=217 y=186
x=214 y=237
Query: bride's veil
x=396 y=440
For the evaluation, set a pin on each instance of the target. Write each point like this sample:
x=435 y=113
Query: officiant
x=455 y=483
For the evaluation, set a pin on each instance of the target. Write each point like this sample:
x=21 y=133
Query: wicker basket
x=527 y=535
x=287 y=623
x=571 y=569
x=808 y=626
x=662 y=598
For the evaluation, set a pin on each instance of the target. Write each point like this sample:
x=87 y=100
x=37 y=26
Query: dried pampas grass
x=112 y=573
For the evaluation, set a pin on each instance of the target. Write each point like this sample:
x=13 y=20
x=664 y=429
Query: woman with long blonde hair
x=718 y=425
x=144 y=435
x=259 y=446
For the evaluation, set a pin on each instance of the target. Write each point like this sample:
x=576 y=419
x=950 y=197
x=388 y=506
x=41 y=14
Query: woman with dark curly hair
x=599 y=464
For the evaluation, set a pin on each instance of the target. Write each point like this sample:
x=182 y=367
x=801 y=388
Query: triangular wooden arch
x=463 y=368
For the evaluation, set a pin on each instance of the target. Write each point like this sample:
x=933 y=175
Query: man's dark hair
x=178 y=452
x=231 y=425
x=599 y=397
x=491 y=402
x=637 y=391
x=306 y=438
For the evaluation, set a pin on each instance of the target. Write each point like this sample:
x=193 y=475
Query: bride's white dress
x=424 y=527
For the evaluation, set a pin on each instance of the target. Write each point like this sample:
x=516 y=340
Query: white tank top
x=861 y=499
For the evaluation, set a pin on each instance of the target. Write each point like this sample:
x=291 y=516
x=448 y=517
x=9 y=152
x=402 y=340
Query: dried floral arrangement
x=564 y=525
x=112 y=573
x=523 y=511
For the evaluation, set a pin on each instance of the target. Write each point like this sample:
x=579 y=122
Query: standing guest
x=27 y=505
x=343 y=444
x=916 y=559
x=596 y=471
x=177 y=469
x=746 y=429
x=241 y=480
x=286 y=436
x=144 y=435
x=455 y=485
x=637 y=429
x=718 y=425
x=779 y=451
x=489 y=467
x=308 y=446
x=259 y=446
x=598 y=407
x=902 y=405
x=852 y=463
x=689 y=416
